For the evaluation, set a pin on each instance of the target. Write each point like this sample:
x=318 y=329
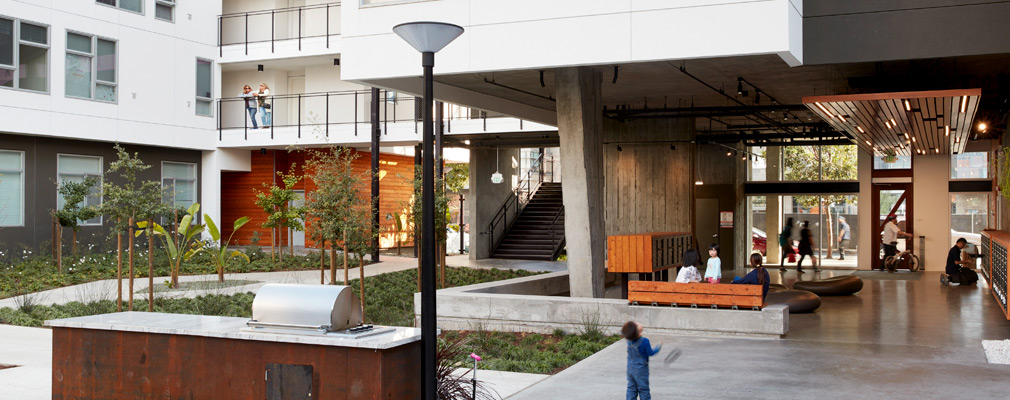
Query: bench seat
x=695 y=294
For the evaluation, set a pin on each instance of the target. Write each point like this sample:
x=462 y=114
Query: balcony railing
x=318 y=113
x=294 y=23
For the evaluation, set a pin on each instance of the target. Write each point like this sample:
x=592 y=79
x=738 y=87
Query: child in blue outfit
x=639 y=351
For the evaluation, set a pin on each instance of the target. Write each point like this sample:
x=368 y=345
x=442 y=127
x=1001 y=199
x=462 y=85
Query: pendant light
x=496 y=177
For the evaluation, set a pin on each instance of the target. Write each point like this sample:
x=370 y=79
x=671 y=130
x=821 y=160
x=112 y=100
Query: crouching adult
x=958 y=270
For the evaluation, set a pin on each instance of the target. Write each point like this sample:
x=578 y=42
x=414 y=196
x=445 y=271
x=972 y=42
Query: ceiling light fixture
x=893 y=123
x=913 y=139
x=937 y=150
x=906 y=135
x=860 y=129
x=739 y=85
x=868 y=143
x=819 y=105
x=888 y=124
x=841 y=118
x=908 y=106
x=946 y=130
x=964 y=103
x=729 y=154
x=982 y=126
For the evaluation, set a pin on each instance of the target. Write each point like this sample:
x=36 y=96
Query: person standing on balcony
x=250 y=104
x=263 y=97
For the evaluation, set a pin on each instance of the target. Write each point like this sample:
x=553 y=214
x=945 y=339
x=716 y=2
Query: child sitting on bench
x=757 y=276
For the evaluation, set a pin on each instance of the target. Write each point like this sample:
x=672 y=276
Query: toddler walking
x=639 y=351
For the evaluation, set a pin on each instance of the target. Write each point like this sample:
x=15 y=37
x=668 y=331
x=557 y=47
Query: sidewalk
x=106 y=289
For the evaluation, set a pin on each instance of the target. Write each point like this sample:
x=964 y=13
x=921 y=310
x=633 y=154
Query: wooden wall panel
x=238 y=191
x=648 y=186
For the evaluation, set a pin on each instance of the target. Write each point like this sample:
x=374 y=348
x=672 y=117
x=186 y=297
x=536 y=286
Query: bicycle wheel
x=891 y=263
x=913 y=262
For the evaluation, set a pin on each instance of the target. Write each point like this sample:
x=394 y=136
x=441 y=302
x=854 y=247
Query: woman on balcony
x=263 y=97
x=250 y=104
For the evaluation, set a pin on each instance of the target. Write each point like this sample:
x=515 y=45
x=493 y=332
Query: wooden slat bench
x=695 y=295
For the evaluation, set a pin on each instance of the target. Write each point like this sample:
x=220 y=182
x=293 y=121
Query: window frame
x=196 y=88
x=986 y=164
x=118 y=7
x=16 y=48
x=166 y=3
x=196 y=181
x=22 y=172
x=94 y=67
x=100 y=176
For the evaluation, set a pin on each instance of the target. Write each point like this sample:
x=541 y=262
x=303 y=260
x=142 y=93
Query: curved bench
x=835 y=286
x=799 y=301
x=774 y=287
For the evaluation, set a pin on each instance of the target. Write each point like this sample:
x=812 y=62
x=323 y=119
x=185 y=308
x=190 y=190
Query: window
x=179 y=181
x=136 y=6
x=28 y=66
x=164 y=10
x=969 y=214
x=12 y=188
x=90 y=67
x=76 y=169
x=892 y=162
x=974 y=165
x=203 y=88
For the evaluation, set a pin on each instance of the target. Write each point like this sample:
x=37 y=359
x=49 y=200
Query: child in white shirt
x=689 y=271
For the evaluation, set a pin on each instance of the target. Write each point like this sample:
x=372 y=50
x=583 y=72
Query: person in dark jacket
x=806 y=247
x=639 y=351
x=757 y=276
x=786 y=242
x=955 y=269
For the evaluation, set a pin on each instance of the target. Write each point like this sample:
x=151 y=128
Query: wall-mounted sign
x=725 y=219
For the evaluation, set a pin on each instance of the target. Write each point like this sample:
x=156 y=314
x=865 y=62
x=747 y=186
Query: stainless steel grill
x=306 y=309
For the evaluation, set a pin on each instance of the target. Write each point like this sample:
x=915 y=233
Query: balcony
x=277 y=33
x=343 y=117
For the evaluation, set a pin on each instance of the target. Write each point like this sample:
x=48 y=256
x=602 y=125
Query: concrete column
x=773 y=210
x=486 y=197
x=580 y=126
x=867 y=221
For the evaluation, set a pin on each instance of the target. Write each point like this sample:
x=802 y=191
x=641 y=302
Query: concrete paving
x=536 y=266
x=31 y=350
x=896 y=339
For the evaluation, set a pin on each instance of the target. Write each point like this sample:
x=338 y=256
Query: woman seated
x=757 y=276
x=689 y=271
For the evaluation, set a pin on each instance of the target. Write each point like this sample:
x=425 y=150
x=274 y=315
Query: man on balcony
x=250 y=104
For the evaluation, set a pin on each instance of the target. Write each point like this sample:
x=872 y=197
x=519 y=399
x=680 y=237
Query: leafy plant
x=73 y=211
x=220 y=253
x=184 y=245
x=452 y=384
x=281 y=214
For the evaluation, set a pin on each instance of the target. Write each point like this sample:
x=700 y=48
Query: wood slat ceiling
x=933 y=122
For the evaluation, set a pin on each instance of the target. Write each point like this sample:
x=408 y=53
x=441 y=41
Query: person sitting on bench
x=956 y=270
x=757 y=276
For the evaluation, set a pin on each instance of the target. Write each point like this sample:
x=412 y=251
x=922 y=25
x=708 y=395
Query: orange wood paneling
x=702 y=294
x=238 y=191
x=634 y=253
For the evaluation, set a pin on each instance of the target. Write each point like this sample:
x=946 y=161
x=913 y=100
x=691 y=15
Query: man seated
x=956 y=270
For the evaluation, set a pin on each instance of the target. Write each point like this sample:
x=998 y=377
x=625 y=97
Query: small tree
x=413 y=205
x=281 y=214
x=221 y=256
x=184 y=244
x=127 y=203
x=336 y=208
x=73 y=212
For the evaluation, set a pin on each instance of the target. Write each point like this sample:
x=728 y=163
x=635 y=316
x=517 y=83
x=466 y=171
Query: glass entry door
x=891 y=198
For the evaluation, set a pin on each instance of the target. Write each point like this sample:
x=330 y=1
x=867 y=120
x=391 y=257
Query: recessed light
x=913 y=139
x=860 y=129
x=888 y=124
x=964 y=103
x=830 y=115
x=981 y=126
x=906 y=135
x=868 y=143
x=937 y=150
x=840 y=117
x=946 y=130
x=728 y=154
x=893 y=123
x=908 y=107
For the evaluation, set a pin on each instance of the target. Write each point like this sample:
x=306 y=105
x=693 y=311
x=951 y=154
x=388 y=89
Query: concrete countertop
x=230 y=328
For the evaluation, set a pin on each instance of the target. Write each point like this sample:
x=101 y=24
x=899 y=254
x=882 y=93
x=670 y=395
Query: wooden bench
x=695 y=295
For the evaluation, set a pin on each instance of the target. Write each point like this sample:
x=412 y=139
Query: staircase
x=530 y=236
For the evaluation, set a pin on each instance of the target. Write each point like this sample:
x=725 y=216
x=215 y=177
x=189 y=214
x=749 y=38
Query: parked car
x=759 y=242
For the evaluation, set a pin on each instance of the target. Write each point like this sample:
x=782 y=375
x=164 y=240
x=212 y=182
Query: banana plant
x=184 y=245
x=221 y=255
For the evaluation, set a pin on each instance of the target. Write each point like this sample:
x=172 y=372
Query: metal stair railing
x=514 y=203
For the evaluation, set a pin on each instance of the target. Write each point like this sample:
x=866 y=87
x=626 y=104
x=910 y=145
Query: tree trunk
x=322 y=262
x=73 y=244
x=333 y=263
x=59 y=249
x=55 y=225
x=130 y=239
x=831 y=233
x=119 y=267
x=272 y=240
x=344 y=247
x=361 y=281
x=150 y=265
x=175 y=272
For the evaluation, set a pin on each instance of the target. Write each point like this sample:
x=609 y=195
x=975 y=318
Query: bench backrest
x=666 y=293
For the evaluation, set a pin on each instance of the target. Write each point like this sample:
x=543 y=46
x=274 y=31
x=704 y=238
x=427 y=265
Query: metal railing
x=514 y=203
x=308 y=112
x=557 y=238
x=304 y=22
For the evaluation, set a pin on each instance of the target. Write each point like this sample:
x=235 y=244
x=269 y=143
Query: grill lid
x=319 y=308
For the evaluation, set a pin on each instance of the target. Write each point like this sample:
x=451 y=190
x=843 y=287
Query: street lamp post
x=428 y=38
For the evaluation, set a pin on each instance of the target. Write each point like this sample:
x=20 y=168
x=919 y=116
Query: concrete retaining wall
x=532 y=304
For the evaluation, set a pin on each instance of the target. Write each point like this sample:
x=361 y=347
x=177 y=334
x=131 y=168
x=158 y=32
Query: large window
x=75 y=168
x=892 y=162
x=204 y=101
x=820 y=163
x=91 y=67
x=973 y=165
x=24 y=55
x=12 y=188
x=136 y=6
x=179 y=181
x=164 y=10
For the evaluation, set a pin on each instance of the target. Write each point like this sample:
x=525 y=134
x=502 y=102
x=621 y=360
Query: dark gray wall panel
x=878 y=30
